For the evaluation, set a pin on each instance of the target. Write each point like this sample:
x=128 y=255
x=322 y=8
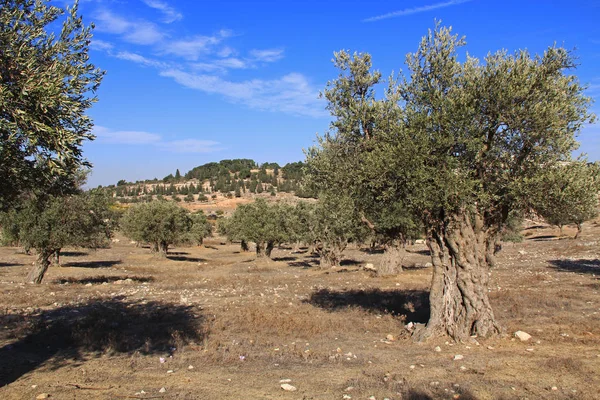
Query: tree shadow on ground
x=72 y=333
x=284 y=258
x=585 y=266
x=542 y=238
x=425 y=252
x=414 y=304
x=349 y=262
x=73 y=253
x=372 y=250
x=178 y=253
x=184 y=258
x=91 y=264
x=10 y=264
x=304 y=264
x=103 y=279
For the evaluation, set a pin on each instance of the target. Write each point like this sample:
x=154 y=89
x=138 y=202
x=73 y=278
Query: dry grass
x=99 y=326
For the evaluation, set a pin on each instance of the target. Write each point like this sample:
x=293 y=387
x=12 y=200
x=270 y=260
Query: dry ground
x=230 y=327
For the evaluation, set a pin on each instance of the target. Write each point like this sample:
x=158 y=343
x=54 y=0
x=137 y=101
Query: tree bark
x=260 y=252
x=40 y=267
x=269 y=249
x=391 y=261
x=579 y=230
x=460 y=305
x=244 y=245
x=163 y=249
x=57 y=257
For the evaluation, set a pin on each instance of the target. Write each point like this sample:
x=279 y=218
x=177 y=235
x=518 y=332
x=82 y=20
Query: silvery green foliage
x=46 y=86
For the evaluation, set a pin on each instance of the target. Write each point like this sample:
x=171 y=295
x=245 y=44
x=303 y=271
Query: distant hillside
x=226 y=178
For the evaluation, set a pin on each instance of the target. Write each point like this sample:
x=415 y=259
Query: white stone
x=458 y=357
x=289 y=388
x=437 y=349
x=522 y=336
x=162 y=390
x=285 y=381
x=370 y=267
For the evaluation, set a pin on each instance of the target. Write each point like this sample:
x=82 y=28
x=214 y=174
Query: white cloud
x=415 y=10
x=106 y=135
x=170 y=14
x=139 y=59
x=101 y=45
x=191 y=48
x=290 y=94
x=138 y=32
x=267 y=55
x=226 y=52
x=190 y=146
x=125 y=137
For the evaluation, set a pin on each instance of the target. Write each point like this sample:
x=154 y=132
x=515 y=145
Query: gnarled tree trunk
x=244 y=245
x=460 y=305
x=391 y=261
x=41 y=266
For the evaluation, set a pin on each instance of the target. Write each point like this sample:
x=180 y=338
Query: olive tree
x=454 y=147
x=159 y=223
x=568 y=194
x=46 y=86
x=334 y=223
x=83 y=220
x=258 y=222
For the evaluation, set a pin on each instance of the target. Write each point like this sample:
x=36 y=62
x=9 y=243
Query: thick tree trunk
x=460 y=305
x=330 y=256
x=244 y=245
x=40 y=267
x=391 y=261
x=163 y=249
x=269 y=249
x=328 y=259
x=260 y=251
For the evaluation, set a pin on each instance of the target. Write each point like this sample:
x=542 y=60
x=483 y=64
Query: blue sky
x=189 y=82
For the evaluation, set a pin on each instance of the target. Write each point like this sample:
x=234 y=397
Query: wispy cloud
x=291 y=94
x=192 y=48
x=109 y=136
x=190 y=146
x=200 y=62
x=137 y=32
x=267 y=55
x=170 y=14
x=125 y=137
x=139 y=59
x=101 y=45
x=415 y=10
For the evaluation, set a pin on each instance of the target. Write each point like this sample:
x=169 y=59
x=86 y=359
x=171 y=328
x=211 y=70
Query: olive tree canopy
x=46 y=86
x=452 y=149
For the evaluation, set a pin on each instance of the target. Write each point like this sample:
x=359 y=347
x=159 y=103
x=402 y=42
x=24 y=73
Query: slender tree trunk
x=40 y=267
x=57 y=257
x=579 y=230
x=269 y=249
x=460 y=305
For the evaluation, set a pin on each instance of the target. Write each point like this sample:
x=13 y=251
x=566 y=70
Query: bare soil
x=212 y=322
